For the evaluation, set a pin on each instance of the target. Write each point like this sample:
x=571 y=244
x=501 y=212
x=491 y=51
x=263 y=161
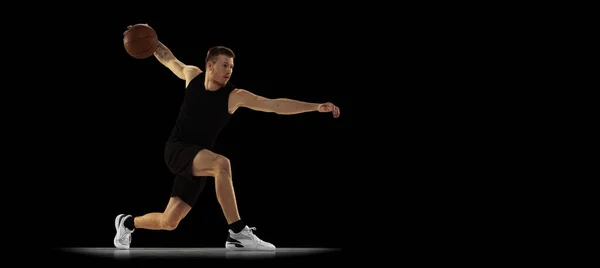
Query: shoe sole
x=231 y=246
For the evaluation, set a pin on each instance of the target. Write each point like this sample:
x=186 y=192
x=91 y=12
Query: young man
x=210 y=100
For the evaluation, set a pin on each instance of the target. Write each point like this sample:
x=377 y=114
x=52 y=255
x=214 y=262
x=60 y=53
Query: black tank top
x=203 y=114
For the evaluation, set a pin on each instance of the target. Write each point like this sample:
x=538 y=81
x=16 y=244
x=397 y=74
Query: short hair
x=218 y=50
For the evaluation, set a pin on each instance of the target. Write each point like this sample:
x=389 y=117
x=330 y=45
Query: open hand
x=329 y=107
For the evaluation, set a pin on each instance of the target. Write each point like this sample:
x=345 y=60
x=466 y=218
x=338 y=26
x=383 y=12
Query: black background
x=91 y=122
x=110 y=115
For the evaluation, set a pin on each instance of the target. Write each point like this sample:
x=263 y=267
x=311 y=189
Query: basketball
x=140 y=41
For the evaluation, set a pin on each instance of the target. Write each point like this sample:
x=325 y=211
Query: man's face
x=221 y=69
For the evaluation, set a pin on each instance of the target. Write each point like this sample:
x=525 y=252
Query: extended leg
x=168 y=220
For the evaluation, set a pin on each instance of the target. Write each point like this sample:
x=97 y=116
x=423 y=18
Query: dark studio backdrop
x=292 y=174
x=96 y=122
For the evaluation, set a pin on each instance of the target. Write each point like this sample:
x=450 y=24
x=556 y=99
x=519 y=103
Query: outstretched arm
x=244 y=98
x=164 y=55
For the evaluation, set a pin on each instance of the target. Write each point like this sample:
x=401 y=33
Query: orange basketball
x=140 y=41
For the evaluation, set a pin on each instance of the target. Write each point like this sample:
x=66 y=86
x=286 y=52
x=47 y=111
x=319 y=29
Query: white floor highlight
x=213 y=253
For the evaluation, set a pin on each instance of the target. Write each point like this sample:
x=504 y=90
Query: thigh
x=179 y=156
x=188 y=188
x=205 y=163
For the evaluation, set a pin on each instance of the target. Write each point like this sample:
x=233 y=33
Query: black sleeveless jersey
x=203 y=114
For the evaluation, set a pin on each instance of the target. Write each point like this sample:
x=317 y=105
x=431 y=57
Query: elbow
x=274 y=106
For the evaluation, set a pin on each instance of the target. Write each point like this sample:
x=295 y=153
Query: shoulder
x=242 y=96
x=192 y=77
x=235 y=99
x=238 y=95
x=191 y=72
x=239 y=92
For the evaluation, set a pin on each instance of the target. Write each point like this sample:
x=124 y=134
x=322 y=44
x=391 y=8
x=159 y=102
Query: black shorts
x=179 y=157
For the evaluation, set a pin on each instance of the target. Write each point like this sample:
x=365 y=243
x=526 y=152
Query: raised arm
x=244 y=98
x=181 y=70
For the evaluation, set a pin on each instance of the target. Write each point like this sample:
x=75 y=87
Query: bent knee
x=169 y=223
x=222 y=165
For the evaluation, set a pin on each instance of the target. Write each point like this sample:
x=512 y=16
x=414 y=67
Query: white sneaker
x=123 y=237
x=246 y=240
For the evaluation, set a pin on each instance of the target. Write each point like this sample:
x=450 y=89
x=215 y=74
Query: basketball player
x=210 y=100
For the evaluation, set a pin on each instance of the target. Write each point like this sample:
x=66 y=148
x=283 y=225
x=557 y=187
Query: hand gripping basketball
x=140 y=41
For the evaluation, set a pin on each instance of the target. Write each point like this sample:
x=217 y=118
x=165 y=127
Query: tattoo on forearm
x=162 y=52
